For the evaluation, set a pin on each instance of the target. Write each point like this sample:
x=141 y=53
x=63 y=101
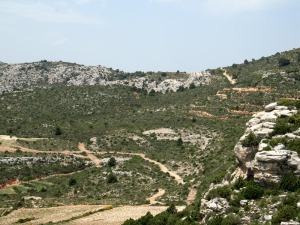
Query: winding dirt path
x=89 y=154
x=97 y=162
x=161 y=166
x=136 y=211
x=153 y=198
x=229 y=78
x=191 y=196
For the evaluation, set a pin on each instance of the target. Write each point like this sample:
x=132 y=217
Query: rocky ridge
x=265 y=163
x=16 y=77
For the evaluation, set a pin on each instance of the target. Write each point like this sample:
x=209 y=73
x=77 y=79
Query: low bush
x=252 y=191
x=250 y=141
x=284 y=214
x=25 y=220
x=220 y=192
x=112 y=178
x=239 y=183
x=289 y=182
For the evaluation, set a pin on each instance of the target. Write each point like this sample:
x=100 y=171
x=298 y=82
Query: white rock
x=272 y=156
x=270 y=125
x=261 y=146
x=256 y=127
x=268 y=217
x=271 y=117
x=259 y=115
x=271 y=106
x=279 y=147
x=290 y=223
x=253 y=121
x=244 y=202
x=264 y=132
x=281 y=107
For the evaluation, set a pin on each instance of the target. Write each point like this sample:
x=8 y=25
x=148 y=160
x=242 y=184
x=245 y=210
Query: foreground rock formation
x=256 y=157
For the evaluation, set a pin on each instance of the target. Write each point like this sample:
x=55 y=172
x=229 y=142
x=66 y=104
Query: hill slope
x=190 y=130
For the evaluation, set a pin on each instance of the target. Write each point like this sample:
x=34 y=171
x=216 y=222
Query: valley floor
x=86 y=214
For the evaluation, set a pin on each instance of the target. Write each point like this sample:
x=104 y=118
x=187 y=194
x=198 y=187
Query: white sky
x=148 y=35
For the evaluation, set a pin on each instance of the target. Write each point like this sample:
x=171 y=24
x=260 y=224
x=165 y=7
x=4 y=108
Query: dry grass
x=45 y=215
x=118 y=215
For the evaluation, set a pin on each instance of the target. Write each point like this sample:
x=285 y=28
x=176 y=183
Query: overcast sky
x=148 y=35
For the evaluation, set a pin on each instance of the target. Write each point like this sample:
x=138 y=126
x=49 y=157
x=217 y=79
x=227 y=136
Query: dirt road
x=90 y=154
x=153 y=198
x=229 y=78
x=162 y=167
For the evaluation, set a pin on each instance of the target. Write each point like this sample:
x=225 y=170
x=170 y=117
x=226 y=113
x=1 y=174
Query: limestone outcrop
x=16 y=77
x=258 y=158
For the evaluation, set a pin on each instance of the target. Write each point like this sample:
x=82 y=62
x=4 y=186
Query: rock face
x=27 y=75
x=264 y=163
x=214 y=205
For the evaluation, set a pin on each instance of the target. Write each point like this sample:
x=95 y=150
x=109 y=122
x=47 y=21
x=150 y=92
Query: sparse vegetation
x=113 y=118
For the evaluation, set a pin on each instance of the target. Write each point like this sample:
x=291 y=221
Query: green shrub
x=222 y=192
x=289 y=102
x=25 y=220
x=289 y=182
x=112 y=162
x=283 y=62
x=72 y=182
x=58 y=131
x=291 y=199
x=171 y=209
x=282 y=127
x=252 y=191
x=231 y=220
x=239 y=183
x=112 y=178
x=217 y=220
x=250 y=140
x=285 y=213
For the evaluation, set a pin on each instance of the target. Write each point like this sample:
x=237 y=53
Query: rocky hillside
x=16 y=77
x=269 y=148
x=265 y=187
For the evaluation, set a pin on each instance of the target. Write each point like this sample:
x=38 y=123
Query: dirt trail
x=191 y=196
x=229 y=78
x=115 y=216
x=28 y=150
x=90 y=154
x=153 y=198
x=162 y=167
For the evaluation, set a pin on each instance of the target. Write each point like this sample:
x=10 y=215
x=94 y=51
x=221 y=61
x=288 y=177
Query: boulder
x=270 y=107
x=270 y=117
x=290 y=223
x=215 y=205
x=253 y=121
x=244 y=154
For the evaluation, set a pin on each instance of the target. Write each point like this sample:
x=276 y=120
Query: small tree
x=180 y=142
x=112 y=178
x=171 y=209
x=58 y=131
x=112 y=162
x=72 y=182
x=283 y=62
x=250 y=140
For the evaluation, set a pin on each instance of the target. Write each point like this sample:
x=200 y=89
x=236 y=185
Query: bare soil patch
x=45 y=215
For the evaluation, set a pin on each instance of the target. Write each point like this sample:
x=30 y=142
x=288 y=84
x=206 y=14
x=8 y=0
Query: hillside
x=106 y=137
x=16 y=77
